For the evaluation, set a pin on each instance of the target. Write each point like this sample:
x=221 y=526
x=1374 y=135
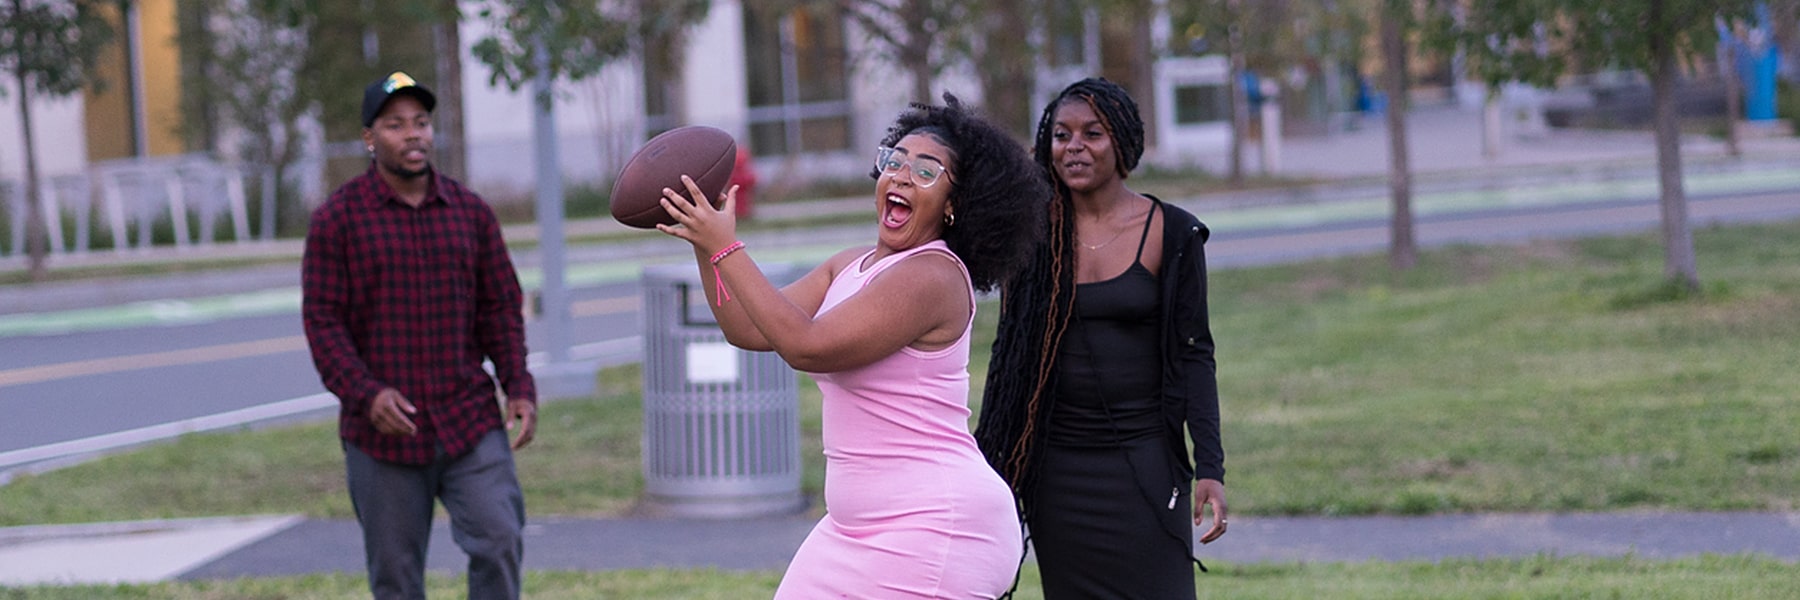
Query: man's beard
x=404 y=173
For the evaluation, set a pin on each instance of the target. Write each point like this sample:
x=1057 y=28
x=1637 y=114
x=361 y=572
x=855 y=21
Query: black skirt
x=1101 y=525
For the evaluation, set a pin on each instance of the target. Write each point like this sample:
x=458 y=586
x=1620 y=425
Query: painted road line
x=157 y=312
x=205 y=354
x=608 y=353
x=135 y=362
x=132 y=437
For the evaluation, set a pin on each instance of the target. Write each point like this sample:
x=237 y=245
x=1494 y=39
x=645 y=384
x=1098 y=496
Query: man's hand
x=389 y=413
x=521 y=415
x=1210 y=492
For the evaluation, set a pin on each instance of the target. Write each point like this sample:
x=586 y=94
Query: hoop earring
x=949 y=219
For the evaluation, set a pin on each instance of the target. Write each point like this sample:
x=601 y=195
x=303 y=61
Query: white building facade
x=809 y=95
x=811 y=98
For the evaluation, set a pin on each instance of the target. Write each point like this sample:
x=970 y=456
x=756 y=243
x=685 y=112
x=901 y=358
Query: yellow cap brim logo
x=396 y=81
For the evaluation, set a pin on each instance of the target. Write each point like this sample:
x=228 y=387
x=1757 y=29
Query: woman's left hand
x=707 y=228
x=1210 y=492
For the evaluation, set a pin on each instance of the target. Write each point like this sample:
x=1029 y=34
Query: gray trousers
x=394 y=504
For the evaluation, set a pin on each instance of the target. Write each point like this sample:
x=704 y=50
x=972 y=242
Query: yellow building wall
x=161 y=57
x=109 y=114
x=107 y=110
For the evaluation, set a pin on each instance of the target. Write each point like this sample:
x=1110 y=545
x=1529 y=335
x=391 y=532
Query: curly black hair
x=999 y=194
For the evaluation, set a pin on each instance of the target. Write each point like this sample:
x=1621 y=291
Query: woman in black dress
x=1103 y=369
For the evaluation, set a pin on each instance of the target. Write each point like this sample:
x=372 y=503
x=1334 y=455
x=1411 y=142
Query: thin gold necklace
x=1102 y=244
x=1110 y=240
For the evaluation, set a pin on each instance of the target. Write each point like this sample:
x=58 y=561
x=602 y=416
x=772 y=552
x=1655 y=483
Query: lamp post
x=559 y=377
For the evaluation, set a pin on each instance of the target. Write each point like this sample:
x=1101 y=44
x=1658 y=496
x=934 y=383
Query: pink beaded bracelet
x=718 y=281
x=734 y=247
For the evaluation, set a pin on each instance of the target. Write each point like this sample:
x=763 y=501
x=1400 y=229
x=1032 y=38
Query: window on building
x=799 y=81
x=1196 y=104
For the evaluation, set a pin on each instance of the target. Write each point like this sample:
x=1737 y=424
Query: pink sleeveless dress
x=913 y=510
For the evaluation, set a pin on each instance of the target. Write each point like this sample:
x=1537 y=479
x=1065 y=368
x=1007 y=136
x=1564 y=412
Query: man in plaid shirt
x=407 y=288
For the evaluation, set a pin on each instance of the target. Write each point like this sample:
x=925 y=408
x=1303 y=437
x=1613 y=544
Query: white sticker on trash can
x=712 y=362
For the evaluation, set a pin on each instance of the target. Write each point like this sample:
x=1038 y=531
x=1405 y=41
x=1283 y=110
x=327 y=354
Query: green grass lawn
x=1556 y=376
x=1552 y=377
x=1548 y=578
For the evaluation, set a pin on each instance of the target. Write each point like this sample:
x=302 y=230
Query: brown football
x=706 y=154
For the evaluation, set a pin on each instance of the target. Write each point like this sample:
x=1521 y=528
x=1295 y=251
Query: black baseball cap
x=377 y=94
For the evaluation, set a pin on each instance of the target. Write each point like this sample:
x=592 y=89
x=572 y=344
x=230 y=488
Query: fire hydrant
x=743 y=175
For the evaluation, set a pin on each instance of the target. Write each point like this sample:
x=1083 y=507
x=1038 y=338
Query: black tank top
x=1110 y=363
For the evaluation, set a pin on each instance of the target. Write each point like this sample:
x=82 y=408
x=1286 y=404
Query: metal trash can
x=721 y=425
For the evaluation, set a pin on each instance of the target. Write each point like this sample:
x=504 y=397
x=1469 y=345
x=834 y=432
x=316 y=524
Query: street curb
x=24 y=534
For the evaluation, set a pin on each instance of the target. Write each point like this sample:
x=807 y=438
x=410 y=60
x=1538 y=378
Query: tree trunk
x=1734 y=100
x=37 y=237
x=291 y=211
x=1678 y=241
x=1402 y=250
x=921 y=76
x=1784 y=16
x=917 y=52
x=1490 y=124
x=447 y=120
x=1143 y=66
x=1006 y=76
x=1239 y=99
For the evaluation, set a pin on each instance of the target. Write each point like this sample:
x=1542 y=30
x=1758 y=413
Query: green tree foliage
x=245 y=62
x=354 y=43
x=262 y=70
x=1273 y=38
x=1501 y=42
x=579 y=38
x=49 y=48
x=925 y=37
x=1538 y=40
x=52 y=45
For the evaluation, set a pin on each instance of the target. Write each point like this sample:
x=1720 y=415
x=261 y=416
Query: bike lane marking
x=1295 y=215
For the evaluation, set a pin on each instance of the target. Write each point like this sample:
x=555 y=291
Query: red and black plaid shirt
x=413 y=299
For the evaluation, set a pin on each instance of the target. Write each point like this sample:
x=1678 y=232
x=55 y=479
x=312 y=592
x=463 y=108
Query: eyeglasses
x=925 y=171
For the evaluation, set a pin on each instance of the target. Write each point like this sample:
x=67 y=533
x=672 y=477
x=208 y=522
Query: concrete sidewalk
x=272 y=546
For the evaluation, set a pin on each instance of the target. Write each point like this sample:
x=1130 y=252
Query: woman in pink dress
x=913 y=509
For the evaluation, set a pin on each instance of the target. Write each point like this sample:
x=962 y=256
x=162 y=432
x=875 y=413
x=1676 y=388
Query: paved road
x=109 y=381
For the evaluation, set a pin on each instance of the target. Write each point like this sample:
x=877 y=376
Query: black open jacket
x=1190 y=393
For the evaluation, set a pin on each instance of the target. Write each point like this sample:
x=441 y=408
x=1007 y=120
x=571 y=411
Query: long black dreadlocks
x=1036 y=305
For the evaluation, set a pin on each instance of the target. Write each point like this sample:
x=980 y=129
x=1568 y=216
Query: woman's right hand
x=708 y=229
